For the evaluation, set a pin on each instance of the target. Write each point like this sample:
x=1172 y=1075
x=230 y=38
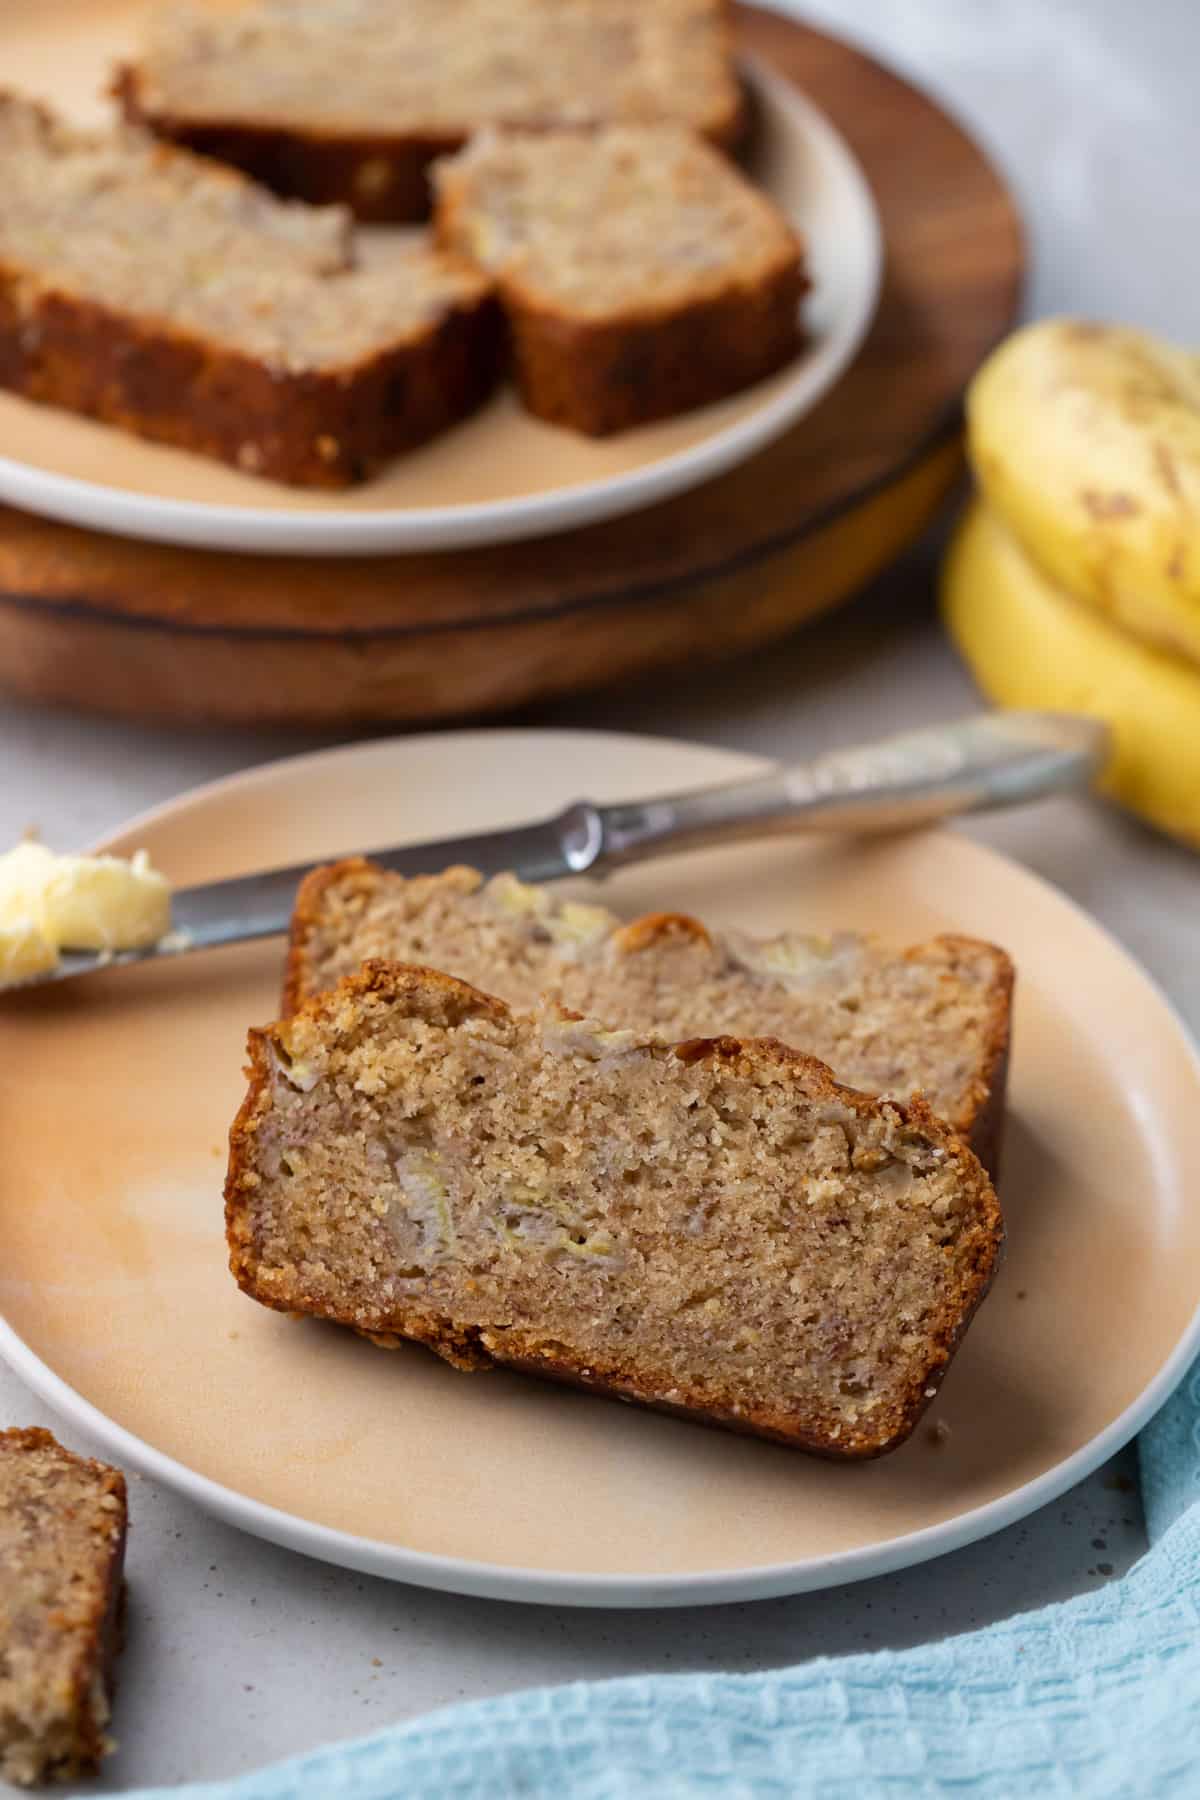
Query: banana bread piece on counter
x=62 y=1553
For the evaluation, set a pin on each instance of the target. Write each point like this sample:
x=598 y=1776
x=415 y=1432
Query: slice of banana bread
x=160 y=292
x=933 y=1019
x=641 y=274
x=715 y=1228
x=351 y=99
x=62 y=1553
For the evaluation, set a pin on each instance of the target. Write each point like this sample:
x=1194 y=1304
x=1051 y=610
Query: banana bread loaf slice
x=350 y=100
x=715 y=1228
x=160 y=292
x=933 y=1019
x=62 y=1553
x=640 y=273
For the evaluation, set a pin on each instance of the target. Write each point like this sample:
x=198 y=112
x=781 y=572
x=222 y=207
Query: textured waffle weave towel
x=1098 y=1697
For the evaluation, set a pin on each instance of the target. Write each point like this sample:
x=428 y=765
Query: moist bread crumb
x=350 y=100
x=716 y=1228
x=163 y=293
x=640 y=273
x=62 y=1550
x=933 y=1019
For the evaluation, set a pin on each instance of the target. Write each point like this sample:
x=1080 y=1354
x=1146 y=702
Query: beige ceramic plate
x=502 y=474
x=116 y=1093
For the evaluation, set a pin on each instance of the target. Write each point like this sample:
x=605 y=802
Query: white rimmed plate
x=502 y=474
x=116 y=1305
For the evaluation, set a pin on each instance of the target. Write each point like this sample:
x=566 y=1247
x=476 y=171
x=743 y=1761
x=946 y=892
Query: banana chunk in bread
x=160 y=292
x=351 y=99
x=640 y=273
x=62 y=1551
x=933 y=1019
x=715 y=1227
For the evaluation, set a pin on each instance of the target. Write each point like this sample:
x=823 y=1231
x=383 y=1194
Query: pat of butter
x=25 y=951
x=104 y=903
x=24 y=873
x=50 y=903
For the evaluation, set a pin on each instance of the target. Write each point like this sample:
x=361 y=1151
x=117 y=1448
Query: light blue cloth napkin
x=1097 y=1697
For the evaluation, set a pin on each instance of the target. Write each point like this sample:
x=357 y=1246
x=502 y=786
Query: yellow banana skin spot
x=1029 y=644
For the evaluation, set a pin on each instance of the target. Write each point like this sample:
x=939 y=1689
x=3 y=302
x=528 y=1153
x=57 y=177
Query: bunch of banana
x=1074 y=582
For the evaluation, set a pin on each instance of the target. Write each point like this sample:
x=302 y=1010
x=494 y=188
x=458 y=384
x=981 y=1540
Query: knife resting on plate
x=993 y=760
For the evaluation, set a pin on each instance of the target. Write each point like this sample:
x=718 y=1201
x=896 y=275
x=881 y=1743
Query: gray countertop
x=240 y=1652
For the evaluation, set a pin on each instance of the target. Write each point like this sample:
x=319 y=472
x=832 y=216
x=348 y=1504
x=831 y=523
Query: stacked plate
x=508 y=561
x=500 y=476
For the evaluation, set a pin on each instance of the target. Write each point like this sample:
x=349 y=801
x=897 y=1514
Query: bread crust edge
x=980 y=1121
x=101 y=1644
x=320 y=429
x=470 y=1347
x=383 y=177
x=600 y=376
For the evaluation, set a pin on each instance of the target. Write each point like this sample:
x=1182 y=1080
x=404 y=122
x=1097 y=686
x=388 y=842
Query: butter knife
x=993 y=760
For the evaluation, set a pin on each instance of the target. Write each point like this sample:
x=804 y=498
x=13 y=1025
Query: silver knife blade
x=258 y=906
x=996 y=759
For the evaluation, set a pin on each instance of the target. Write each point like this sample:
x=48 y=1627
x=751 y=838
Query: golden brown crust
x=445 y=999
x=813 y=1436
x=644 y=933
x=979 y=1120
x=382 y=177
x=306 y=919
x=354 y=877
x=99 y=1639
x=601 y=376
x=323 y=429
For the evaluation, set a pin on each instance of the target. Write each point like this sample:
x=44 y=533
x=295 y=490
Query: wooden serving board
x=151 y=631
